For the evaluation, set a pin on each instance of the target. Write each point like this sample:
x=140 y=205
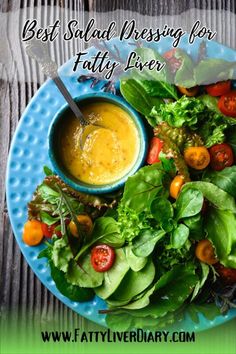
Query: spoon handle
x=38 y=51
x=69 y=99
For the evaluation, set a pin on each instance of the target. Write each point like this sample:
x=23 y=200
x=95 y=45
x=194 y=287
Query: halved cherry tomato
x=32 y=233
x=205 y=252
x=85 y=221
x=218 y=89
x=227 y=104
x=102 y=257
x=176 y=186
x=227 y=274
x=154 y=150
x=192 y=91
x=221 y=156
x=173 y=62
x=197 y=157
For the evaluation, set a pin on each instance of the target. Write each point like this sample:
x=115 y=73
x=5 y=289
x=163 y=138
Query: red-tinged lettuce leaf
x=46 y=195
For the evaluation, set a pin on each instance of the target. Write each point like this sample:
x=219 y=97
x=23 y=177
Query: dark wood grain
x=161 y=7
x=20 y=291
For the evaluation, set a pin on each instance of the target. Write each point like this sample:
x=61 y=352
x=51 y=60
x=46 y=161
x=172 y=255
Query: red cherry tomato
x=49 y=230
x=218 y=89
x=227 y=274
x=227 y=104
x=173 y=62
x=221 y=156
x=102 y=257
x=154 y=150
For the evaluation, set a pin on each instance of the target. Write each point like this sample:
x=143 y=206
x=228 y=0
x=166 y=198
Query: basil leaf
x=189 y=202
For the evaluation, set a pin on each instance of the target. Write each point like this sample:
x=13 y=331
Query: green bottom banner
x=29 y=334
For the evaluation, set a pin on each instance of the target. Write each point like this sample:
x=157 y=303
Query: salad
x=165 y=245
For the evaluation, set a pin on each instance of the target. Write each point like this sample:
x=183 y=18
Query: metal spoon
x=36 y=50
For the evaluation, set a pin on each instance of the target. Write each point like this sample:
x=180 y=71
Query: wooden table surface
x=20 y=291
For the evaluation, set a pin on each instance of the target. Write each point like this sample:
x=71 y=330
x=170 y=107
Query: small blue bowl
x=56 y=159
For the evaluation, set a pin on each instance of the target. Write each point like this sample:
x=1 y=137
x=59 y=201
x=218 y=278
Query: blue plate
x=29 y=153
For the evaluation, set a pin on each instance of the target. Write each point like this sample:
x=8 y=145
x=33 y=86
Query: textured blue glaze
x=29 y=153
x=94 y=189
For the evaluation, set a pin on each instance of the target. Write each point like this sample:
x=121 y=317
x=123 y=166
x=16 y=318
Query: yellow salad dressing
x=108 y=151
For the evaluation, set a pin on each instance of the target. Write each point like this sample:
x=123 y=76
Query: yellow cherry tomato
x=205 y=252
x=176 y=186
x=192 y=91
x=32 y=233
x=197 y=157
x=85 y=221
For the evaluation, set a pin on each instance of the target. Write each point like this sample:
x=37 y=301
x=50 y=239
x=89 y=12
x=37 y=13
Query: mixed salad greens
x=166 y=244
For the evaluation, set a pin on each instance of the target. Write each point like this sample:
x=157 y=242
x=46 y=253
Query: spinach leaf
x=83 y=274
x=141 y=302
x=220 y=227
x=184 y=75
x=212 y=70
x=135 y=263
x=162 y=210
x=137 y=96
x=137 y=283
x=114 y=276
x=142 y=188
x=105 y=230
x=73 y=292
x=195 y=225
x=159 y=89
x=171 y=290
x=144 y=244
x=189 y=202
x=225 y=179
x=215 y=195
x=179 y=236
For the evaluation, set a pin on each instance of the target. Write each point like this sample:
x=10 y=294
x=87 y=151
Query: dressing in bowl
x=100 y=158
